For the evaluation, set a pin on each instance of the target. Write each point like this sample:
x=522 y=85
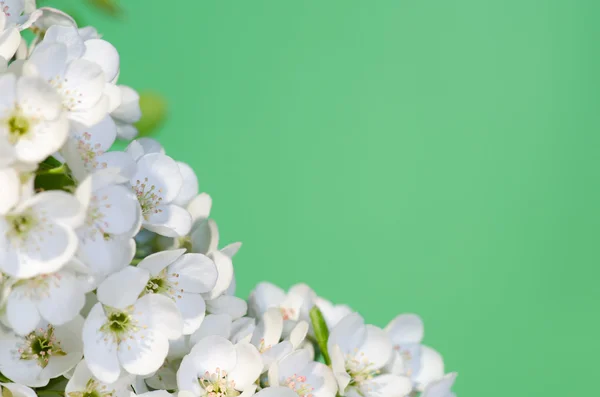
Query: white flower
x=122 y=331
x=294 y=306
x=10 y=38
x=87 y=151
x=32 y=122
x=156 y=183
x=180 y=277
x=47 y=352
x=441 y=387
x=421 y=363
x=217 y=367
x=84 y=384
x=298 y=372
x=358 y=352
x=57 y=298
x=16 y=390
x=37 y=236
x=332 y=313
x=106 y=237
x=19 y=13
x=128 y=113
x=81 y=71
x=268 y=334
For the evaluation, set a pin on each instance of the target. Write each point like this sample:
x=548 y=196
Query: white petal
x=189 y=190
x=99 y=350
x=171 y=221
x=338 y=365
x=105 y=55
x=18 y=390
x=231 y=305
x=406 y=328
x=59 y=206
x=388 y=386
x=10 y=40
x=121 y=289
x=192 y=309
x=377 y=347
x=231 y=249
x=129 y=110
x=248 y=367
x=155 y=263
x=200 y=207
x=269 y=329
x=349 y=334
x=211 y=353
x=299 y=333
x=264 y=296
x=432 y=367
x=441 y=387
x=64 y=299
x=196 y=273
x=213 y=324
x=11 y=187
x=143 y=356
x=163 y=314
x=205 y=236
x=21 y=312
x=225 y=270
x=276 y=392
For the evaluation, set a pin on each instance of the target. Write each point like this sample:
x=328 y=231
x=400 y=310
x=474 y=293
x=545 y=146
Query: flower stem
x=321 y=332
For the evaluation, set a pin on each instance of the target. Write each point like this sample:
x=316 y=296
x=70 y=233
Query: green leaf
x=321 y=332
x=154 y=112
x=110 y=7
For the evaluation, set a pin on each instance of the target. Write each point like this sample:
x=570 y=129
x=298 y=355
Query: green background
x=437 y=157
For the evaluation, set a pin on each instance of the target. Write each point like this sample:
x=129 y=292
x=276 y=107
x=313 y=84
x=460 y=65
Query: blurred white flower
x=298 y=372
x=112 y=219
x=441 y=387
x=83 y=384
x=182 y=278
x=217 y=367
x=32 y=122
x=45 y=353
x=56 y=298
x=295 y=305
x=358 y=353
x=37 y=236
x=124 y=332
x=421 y=363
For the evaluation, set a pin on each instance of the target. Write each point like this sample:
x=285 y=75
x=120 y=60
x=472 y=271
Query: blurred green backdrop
x=438 y=157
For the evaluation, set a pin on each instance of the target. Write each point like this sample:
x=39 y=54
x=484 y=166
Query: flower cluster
x=112 y=279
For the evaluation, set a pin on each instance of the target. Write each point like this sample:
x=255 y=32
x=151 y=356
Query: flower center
x=71 y=98
x=18 y=127
x=360 y=369
x=148 y=196
x=40 y=345
x=89 y=152
x=288 y=313
x=95 y=219
x=298 y=384
x=217 y=384
x=160 y=284
x=120 y=324
x=93 y=388
x=21 y=224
